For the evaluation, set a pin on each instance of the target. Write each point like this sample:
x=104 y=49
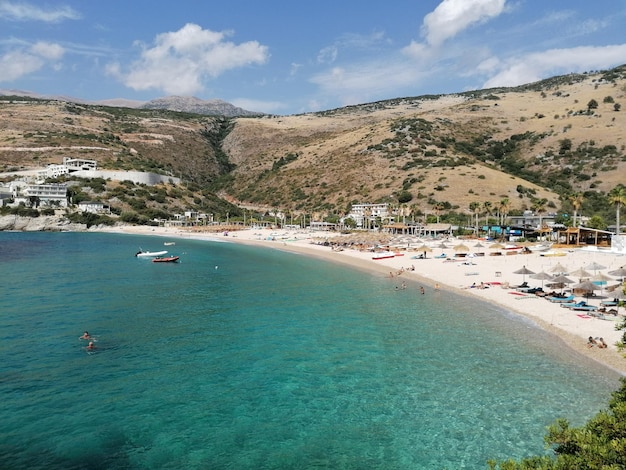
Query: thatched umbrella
x=586 y=286
x=594 y=266
x=559 y=268
x=524 y=271
x=496 y=246
x=543 y=276
x=619 y=272
x=424 y=249
x=580 y=273
x=560 y=281
x=460 y=248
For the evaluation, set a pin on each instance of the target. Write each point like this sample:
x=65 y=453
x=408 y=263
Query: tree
x=475 y=208
x=504 y=208
x=593 y=104
x=599 y=444
x=539 y=206
x=617 y=197
x=577 y=201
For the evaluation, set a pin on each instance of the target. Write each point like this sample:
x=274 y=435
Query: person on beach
x=85 y=335
x=601 y=344
x=591 y=342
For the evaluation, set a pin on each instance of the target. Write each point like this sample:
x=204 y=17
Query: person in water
x=85 y=335
x=91 y=346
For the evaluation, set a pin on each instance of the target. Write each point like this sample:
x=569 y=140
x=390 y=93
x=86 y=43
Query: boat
x=384 y=255
x=166 y=259
x=169 y=243
x=540 y=247
x=150 y=254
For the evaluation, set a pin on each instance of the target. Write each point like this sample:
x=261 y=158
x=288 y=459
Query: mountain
x=190 y=104
x=534 y=144
x=183 y=104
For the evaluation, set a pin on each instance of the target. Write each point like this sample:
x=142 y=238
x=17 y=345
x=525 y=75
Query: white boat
x=169 y=243
x=150 y=254
x=385 y=255
x=540 y=247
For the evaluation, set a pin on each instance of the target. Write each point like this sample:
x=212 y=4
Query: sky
x=289 y=56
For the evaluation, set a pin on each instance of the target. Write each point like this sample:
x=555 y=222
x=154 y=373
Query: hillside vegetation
x=538 y=142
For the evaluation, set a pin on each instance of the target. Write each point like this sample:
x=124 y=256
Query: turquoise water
x=248 y=358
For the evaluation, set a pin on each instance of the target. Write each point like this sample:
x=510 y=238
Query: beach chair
x=561 y=300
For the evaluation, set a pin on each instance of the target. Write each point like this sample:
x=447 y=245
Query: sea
x=246 y=357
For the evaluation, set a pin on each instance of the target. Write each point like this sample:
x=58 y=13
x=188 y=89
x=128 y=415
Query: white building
x=93 y=207
x=360 y=213
x=45 y=194
x=69 y=165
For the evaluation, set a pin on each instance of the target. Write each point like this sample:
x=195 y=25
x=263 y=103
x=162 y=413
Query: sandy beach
x=463 y=275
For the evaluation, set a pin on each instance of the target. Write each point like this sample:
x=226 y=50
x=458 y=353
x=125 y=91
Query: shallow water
x=248 y=358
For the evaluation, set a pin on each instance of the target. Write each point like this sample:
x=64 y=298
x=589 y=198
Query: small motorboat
x=166 y=259
x=384 y=255
x=169 y=243
x=150 y=254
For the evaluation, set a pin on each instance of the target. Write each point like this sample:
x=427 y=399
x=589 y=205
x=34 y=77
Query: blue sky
x=288 y=57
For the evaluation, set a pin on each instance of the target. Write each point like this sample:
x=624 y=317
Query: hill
x=541 y=141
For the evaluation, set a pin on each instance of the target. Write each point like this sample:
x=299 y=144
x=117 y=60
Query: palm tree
x=539 y=206
x=475 y=208
x=577 y=201
x=617 y=197
x=504 y=208
x=488 y=208
x=437 y=208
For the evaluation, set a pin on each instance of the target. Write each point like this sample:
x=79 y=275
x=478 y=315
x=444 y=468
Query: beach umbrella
x=562 y=280
x=619 y=272
x=460 y=247
x=424 y=249
x=586 y=286
x=594 y=266
x=524 y=271
x=580 y=273
x=559 y=268
x=601 y=278
x=496 y=246
x=543 y=276
x=479 y=245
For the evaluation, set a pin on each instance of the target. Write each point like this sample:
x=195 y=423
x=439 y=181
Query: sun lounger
x=561 y=300
x=584 y=308
x=608 y=303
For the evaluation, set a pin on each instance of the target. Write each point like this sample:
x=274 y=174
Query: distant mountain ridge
x=185 y=104
x=191 y=104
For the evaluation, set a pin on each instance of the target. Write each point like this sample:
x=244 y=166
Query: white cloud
x=366 y=81
x=20 y=11
x=539 y=65
x=453 y=16
x=23 y=61
x=179 y=62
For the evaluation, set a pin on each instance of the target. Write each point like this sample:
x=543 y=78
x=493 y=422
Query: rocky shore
x=39 y=224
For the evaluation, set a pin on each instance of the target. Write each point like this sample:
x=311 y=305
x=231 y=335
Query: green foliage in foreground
x=600 y=444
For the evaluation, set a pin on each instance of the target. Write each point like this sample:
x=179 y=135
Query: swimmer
x=91 y=346
x=85 y=335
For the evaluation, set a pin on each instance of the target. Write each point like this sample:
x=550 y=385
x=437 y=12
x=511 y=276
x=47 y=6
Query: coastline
x=457 y=275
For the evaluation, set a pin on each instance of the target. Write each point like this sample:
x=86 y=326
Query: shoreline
x=571 y=328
